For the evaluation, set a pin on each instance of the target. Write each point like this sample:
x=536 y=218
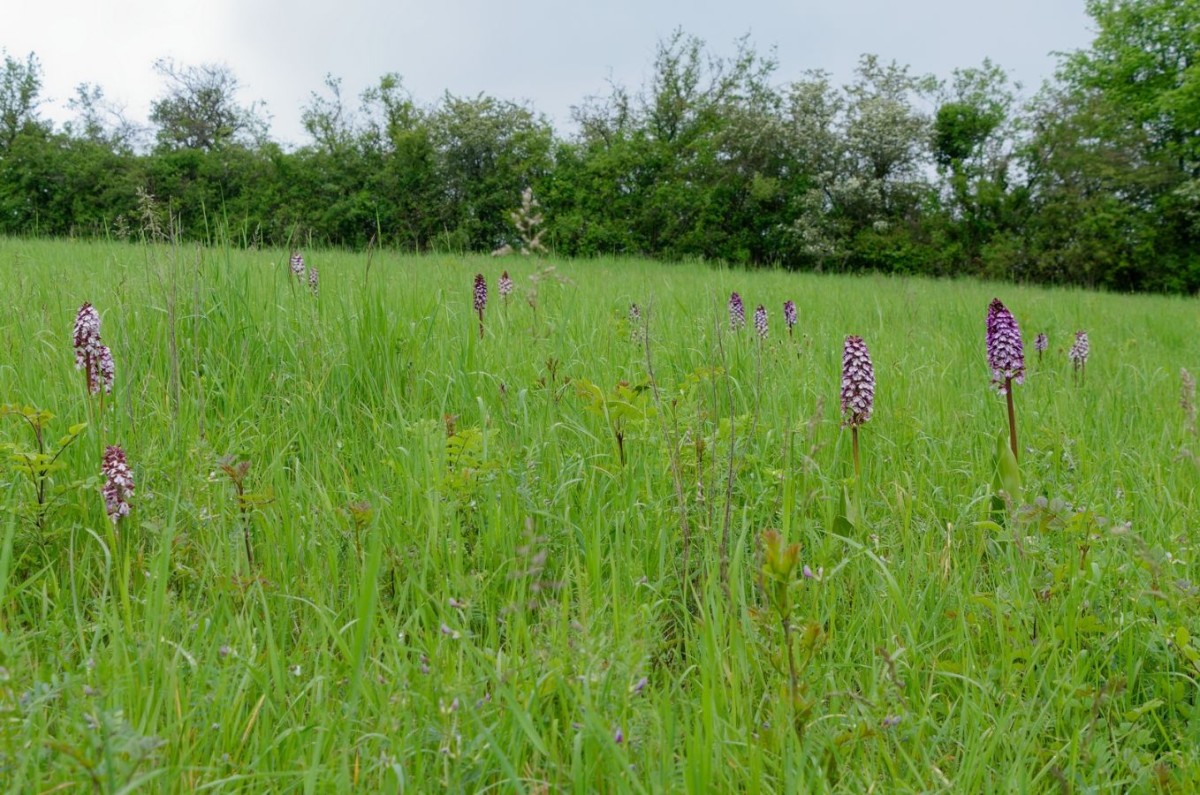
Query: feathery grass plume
x=118 y=483
x=314 y=280
x=528 y=221
x=760 y=321
x=1040 y=343
x=1006 y=358
x=1187 y=398
x=789 y=315
x=506 y=286
x=1079 y=353
x=737 y=311
x=297 y=263
x=480 y=301
x=88 y=345
x=858 y=390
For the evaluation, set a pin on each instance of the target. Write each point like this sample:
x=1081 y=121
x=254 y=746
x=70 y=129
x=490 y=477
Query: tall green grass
x=478 y=611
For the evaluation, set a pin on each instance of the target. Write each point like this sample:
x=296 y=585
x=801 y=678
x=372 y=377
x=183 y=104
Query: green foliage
x=455 y=585
x=39 y=463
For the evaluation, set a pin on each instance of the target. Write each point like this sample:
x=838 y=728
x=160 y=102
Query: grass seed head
x=1006 y=354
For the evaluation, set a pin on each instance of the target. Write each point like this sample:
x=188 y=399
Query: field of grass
x=530 y=562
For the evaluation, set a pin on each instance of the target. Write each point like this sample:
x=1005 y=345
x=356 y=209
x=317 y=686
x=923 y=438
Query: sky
x=551 y=53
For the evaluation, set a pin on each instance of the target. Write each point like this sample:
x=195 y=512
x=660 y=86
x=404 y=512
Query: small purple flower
x=760 y=321
x=858 y=382
x=480 y=293
x=314 y=280
x=297 y=263
x=1006 y=355
x=789 y=315
x=1079 y=350
x=106 y=371
x=480 y=299
x=506 y=285
x=87 y=334
x=1040 y=343
x=618 y=736
x=892 y=721
x=87 y=345
x=635 y=314
x=640 y=686
x=118 y=483
x=737 y=311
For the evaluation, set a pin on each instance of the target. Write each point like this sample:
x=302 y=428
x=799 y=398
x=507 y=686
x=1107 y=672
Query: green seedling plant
x=247 y=501
x=39 y=463
x=779 y=578
x=624 y=407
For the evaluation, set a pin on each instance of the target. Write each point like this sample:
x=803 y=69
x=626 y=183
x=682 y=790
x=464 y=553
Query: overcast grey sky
x=552 y=54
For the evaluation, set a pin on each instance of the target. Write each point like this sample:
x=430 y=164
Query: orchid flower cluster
x=91 y=355
x=118 y=483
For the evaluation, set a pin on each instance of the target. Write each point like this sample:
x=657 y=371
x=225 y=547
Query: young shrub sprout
x=789 y=315
x=480 y=299
x=1079 y=354
x=858 y=390
x=1006 y=358
x=737 y=311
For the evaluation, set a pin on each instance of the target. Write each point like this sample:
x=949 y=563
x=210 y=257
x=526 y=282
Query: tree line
x=1094 y=180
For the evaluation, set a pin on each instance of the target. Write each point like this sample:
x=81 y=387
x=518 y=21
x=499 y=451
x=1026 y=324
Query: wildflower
x=106 y=371
x=618 y=736
x=737 y=311
x=858 y=382
x=789 y=315
x=1006 y=357
x=1005 y=352
x=506 y=286
x=1079 y=352
x=1040 y=344
x=118 y=483
x=858 y=389
x=314 y=283
x=297 y=263
x=480 y=301
x=760 y=321
x=635 y=313
x=87 y=345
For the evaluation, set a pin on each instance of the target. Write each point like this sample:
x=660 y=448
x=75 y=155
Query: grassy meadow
x=530 y=562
